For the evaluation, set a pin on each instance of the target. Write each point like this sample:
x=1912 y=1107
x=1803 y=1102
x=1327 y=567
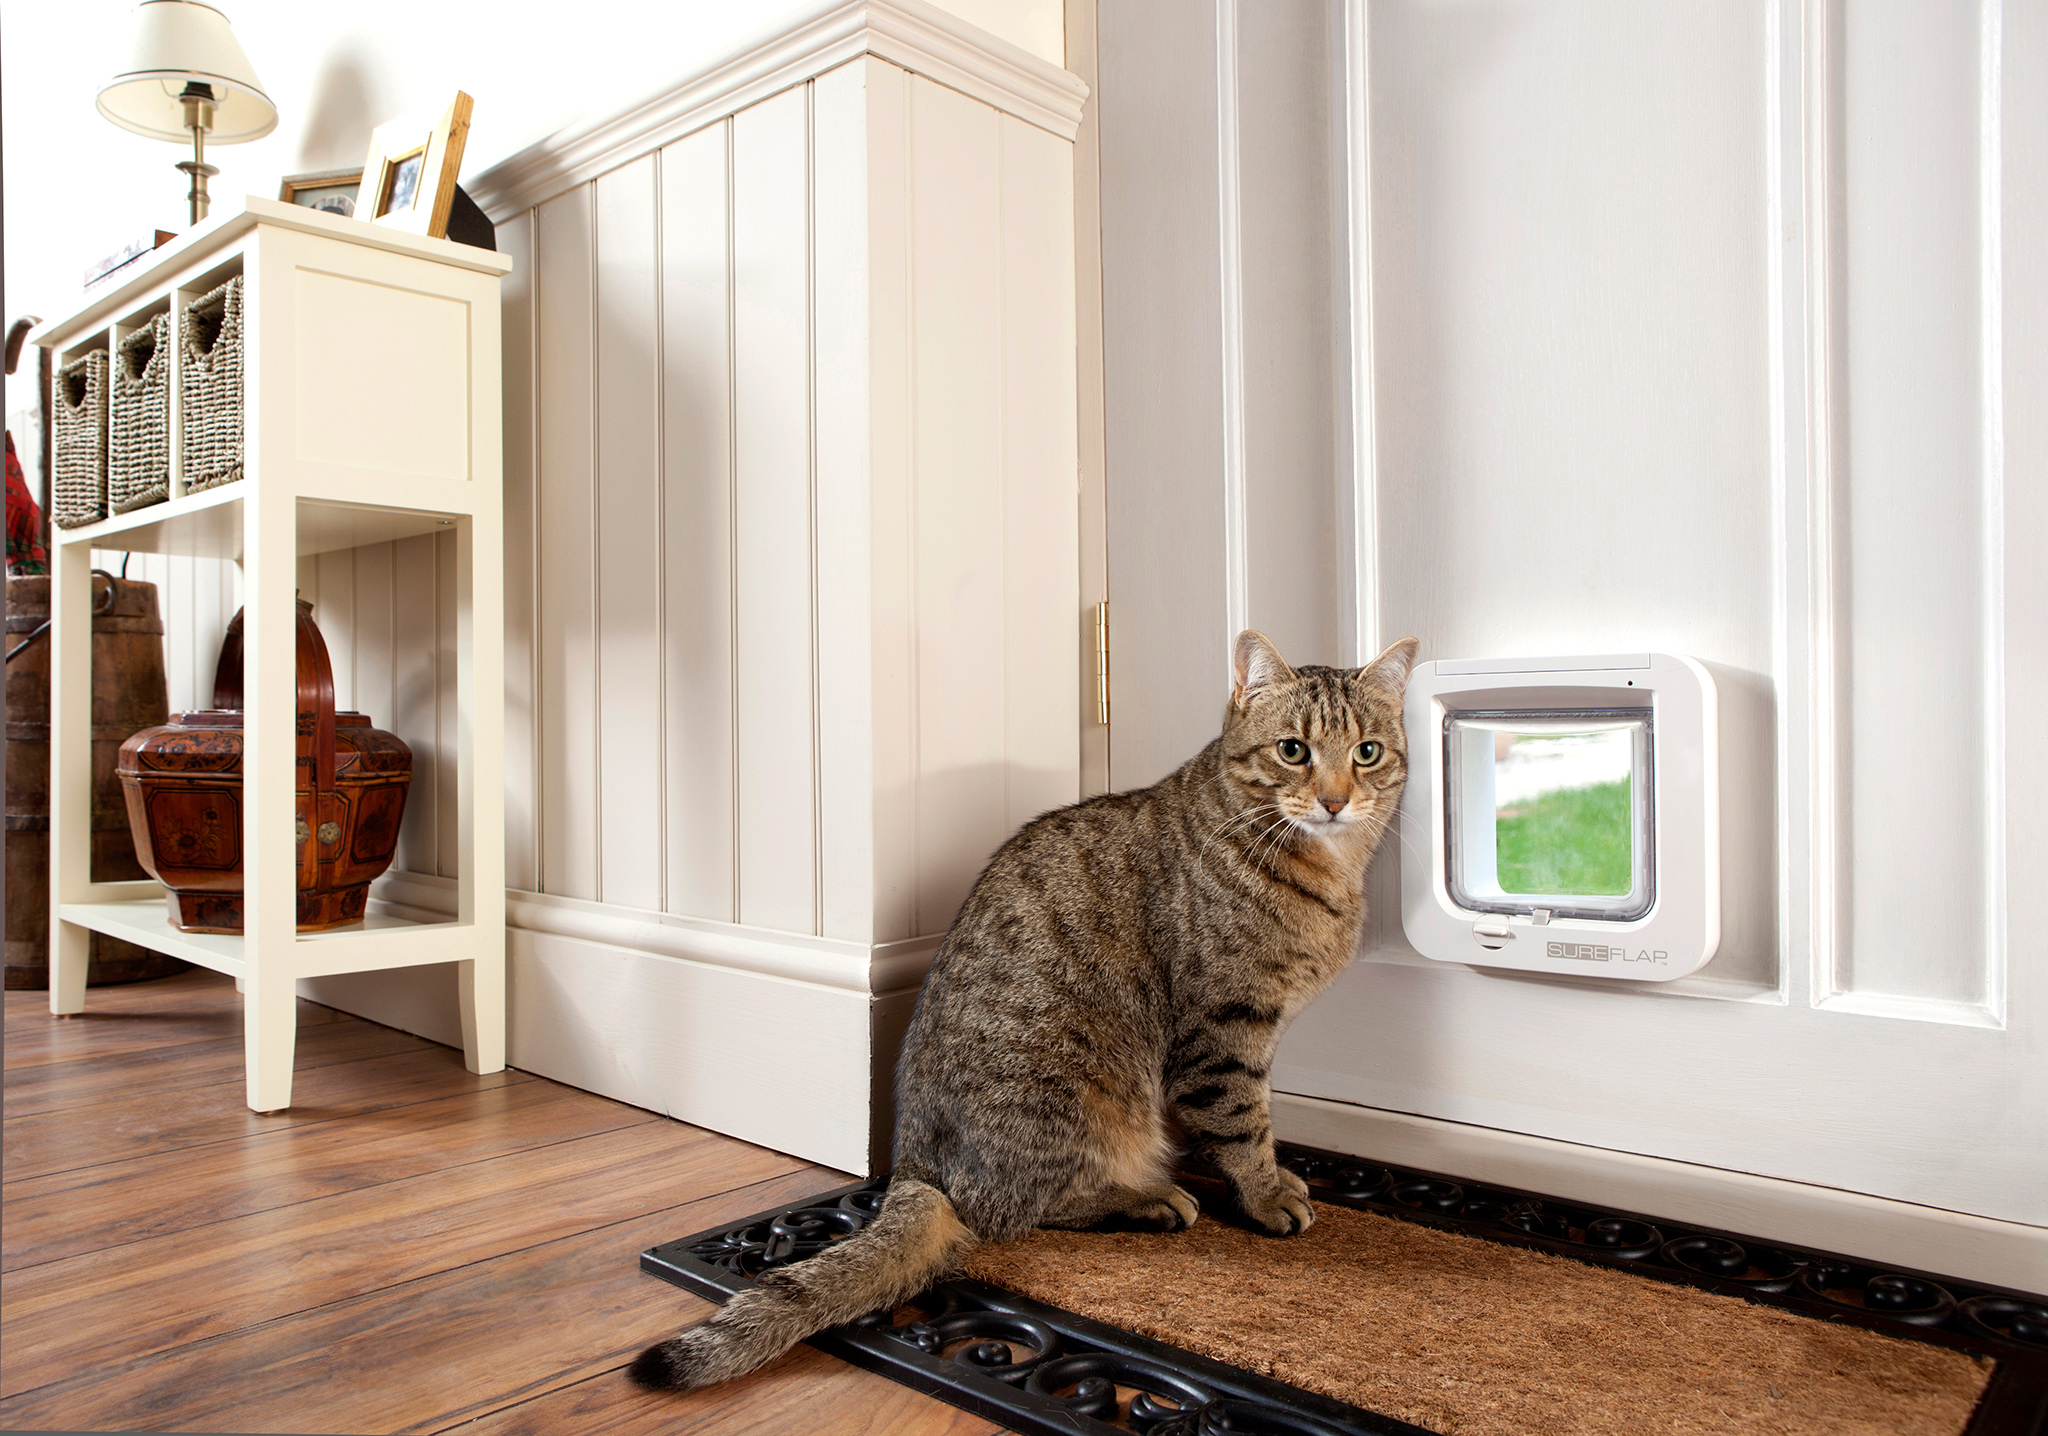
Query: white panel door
x=1714 y=329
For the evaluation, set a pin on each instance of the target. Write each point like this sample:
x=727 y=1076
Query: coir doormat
x=1416 y=1304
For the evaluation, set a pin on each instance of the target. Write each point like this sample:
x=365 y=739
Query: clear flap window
x=1550 y=810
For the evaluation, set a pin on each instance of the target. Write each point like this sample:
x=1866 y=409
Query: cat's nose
x=1335 y=805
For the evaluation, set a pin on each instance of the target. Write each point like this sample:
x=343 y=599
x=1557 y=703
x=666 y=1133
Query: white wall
x=79 y=188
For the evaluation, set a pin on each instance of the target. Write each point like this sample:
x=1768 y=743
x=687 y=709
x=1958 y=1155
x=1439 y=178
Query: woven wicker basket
x=211 y=390
x=79 y=457
x=139 y=419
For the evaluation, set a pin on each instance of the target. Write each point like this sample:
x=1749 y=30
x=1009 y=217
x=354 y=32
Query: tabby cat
x=1112 y=992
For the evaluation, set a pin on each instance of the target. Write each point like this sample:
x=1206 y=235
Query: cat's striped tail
x=915 y=1239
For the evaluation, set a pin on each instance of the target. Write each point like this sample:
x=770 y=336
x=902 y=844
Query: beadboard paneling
x=697 y=518
x=375 y=595
x=892 y=592
x=522 y=772
x=567 y=707
x=216 y=594
x=956 y=473
x=447 y=708
x=178 y=592
x=334 y=598
x=416 y=694
x=773 y=660
x=846 y=159
x=196 y=597
x=629 y=538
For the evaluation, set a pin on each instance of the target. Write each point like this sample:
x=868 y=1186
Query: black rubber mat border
x=1089 y=1377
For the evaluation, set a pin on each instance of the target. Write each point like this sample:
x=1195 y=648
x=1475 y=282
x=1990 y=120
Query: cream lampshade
x=186 y=75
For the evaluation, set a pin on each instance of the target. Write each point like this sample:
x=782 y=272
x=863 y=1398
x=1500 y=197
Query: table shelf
x=210 y=525
x=381 y=940
x=371 y=412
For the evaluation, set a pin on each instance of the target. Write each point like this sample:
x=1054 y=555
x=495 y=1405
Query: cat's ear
x=1256 y=665
x=1389 y=672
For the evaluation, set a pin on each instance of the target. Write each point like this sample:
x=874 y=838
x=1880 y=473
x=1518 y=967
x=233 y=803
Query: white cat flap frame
x=1567 y=809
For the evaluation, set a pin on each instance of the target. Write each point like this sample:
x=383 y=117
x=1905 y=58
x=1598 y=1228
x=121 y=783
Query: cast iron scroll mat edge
x=1204 y=1396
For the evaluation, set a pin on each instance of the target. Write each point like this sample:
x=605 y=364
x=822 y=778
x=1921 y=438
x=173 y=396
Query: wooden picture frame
x=408 y=178
x=329 y=191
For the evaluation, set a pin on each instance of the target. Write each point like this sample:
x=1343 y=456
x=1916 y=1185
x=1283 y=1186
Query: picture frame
x=408 y=176
x=329 y=191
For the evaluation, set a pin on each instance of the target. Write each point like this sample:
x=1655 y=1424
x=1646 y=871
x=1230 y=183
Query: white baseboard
x=1874 y=1229
x=786 y=1041
x=787 y=1065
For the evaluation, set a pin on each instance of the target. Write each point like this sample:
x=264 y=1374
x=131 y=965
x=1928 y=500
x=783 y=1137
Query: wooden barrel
x=128 y=694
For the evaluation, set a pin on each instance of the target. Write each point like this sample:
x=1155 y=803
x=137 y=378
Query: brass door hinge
x=1102 y=663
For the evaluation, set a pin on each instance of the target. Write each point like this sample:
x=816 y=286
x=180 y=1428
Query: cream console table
x=370 y=412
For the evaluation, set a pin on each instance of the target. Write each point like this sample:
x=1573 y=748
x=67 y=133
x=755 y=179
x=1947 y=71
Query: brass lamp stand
x=198 y=102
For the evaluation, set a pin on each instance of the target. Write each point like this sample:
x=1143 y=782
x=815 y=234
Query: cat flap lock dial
x=1561 y=815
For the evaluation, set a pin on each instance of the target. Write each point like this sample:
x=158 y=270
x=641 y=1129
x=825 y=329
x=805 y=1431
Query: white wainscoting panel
x=332 y=587
x=522 y=576
x=881 y=389
x=387 y=613
x=566 y=481
x=630 y=548
x=416 y=694
x=197 y=597
x=956 y=187
x=698 y=740
x=792 y=564
x=857 y=175
x=191 y=594
x=374 y=593
x=775 y=657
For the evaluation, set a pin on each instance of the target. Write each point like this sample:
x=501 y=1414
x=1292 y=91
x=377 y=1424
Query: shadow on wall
x=343 y=111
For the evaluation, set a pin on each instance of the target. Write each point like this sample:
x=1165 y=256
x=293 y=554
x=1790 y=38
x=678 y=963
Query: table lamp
x=186 y=74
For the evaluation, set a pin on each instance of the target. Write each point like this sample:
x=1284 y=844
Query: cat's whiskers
x=1383 y=826
x=1258 y=840
x=1276 y=835
x=1272 y=835
x=1237 y=820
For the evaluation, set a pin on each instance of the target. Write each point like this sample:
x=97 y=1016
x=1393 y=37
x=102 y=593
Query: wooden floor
x=409 y=1248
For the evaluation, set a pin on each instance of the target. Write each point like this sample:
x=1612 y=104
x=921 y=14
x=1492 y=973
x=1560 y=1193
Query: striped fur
x=1111 y=994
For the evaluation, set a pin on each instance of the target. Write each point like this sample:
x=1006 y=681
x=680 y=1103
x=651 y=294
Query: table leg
x=270 y=1030
x=480 y=988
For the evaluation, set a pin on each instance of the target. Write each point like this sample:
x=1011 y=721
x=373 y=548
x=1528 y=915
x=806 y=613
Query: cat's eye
x=1292 y=750
x=1367 y=753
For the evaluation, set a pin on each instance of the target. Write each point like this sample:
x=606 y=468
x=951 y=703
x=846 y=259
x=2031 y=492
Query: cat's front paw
x=1283 y=1208
x=1169 y=1209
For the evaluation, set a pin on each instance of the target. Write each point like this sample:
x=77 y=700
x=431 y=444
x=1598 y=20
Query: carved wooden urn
x=183 y=783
